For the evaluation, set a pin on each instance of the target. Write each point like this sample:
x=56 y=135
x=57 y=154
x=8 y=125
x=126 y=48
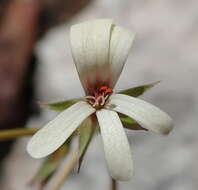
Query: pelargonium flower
x=100 y=50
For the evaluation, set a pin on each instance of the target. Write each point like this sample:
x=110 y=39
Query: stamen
x=90 y=97
x=102 y=100
x=106 y=97
x=96 y=103
x=100 y=96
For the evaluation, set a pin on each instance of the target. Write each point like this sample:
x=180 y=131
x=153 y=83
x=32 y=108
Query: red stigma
x=105 y=90
x=109 y=91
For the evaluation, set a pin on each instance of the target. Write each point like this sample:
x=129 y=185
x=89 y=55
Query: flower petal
x=100 y=50
x=116 y=146
x=146 y=114
x=120 y=45
x=56 y=132
x=90 y=49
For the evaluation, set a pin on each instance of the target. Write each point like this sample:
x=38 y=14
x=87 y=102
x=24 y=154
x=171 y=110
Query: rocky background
x=165 y=49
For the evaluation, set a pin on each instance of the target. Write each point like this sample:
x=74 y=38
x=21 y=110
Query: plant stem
x=66 y=171
x=114 y=184
x=15 y=133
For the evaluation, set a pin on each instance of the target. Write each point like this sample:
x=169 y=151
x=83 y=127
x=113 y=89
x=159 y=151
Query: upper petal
x=146 y=114
x=90 y=50
x=99 y=49
x=56 y=132
x=120 y=45
x=116 y=146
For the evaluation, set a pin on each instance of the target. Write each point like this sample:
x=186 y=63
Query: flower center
x=99 y=97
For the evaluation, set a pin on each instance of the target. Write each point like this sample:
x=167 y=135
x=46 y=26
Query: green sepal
x=86 y=132
x=50 y=165
x=130 y=123
x=59 y=106
x=139 y=90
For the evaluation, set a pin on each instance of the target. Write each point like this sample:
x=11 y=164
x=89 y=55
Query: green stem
x=15 y=133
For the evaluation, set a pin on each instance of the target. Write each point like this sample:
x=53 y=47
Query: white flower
x=100 y=49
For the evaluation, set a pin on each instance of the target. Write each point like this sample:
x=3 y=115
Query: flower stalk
x=114 y=184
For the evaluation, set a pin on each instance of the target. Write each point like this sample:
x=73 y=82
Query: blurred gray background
x=165 y=48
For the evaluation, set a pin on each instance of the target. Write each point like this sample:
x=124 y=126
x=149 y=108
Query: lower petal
x=56 y=132
x=116 y=146
x=147 y=115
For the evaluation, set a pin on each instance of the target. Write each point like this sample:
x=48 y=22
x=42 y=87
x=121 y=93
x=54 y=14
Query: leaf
x=139 y=90
x=130 y=123
x=50 y=165
x=16 y=133
x=86 y=132
x=59 y=106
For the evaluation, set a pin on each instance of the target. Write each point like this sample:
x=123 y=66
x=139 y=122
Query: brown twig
x=114 y=184
x=15 y=133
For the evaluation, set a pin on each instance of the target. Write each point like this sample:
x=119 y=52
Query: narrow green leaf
x=130 y=123
x=86 y=132
x=50 y=165
x=59 y=106
x=139 y=90
x=16 y=133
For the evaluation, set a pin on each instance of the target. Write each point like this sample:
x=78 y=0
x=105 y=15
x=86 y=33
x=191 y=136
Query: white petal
x=90 y=49
x=100 y=50
x=116 y=146
x=56 y=132
x=146 y=114
x=120 y=45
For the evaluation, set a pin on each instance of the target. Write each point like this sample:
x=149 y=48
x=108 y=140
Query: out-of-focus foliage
x=50 y=165
x=86 y=132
